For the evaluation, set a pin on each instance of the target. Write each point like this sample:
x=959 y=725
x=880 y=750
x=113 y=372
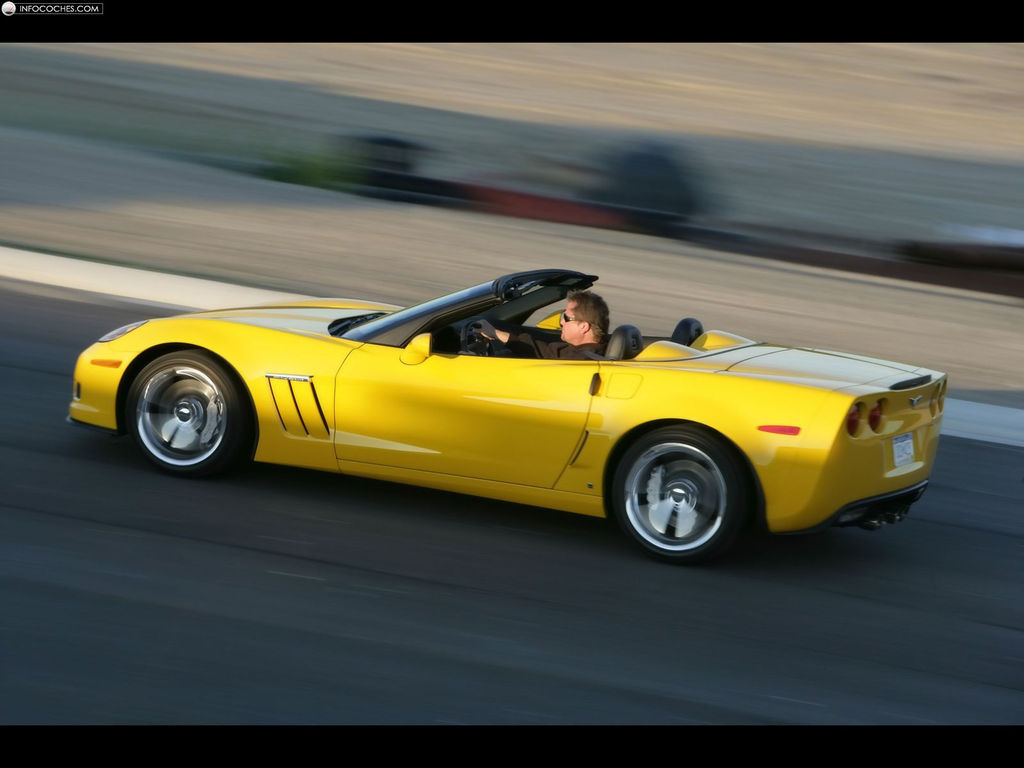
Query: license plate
x=902 y=449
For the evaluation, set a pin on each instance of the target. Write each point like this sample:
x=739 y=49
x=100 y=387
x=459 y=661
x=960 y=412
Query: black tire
x=703 y=494
x=188 y=416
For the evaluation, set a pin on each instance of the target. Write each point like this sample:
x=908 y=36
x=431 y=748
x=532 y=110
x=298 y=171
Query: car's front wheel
x=682 y=494
x=187 y=415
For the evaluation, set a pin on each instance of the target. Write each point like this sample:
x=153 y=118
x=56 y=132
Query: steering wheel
x=475 y=343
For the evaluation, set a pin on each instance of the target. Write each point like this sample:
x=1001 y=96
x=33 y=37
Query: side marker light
x=780 y=429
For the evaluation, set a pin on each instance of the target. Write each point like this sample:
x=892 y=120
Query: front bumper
x=95 y=386
x=93 y=427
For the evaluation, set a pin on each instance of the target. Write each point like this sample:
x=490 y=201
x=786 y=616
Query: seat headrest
x=625 y=343
x=687 y=331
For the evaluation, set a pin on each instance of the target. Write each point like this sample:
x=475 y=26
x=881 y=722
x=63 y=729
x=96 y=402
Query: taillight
x=875 y=417
x=853 y=418
x=938 y=399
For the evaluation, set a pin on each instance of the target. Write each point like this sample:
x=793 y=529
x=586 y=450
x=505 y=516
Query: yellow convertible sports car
x=683 y=440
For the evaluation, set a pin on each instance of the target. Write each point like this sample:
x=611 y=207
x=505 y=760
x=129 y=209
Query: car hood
x=299 y=317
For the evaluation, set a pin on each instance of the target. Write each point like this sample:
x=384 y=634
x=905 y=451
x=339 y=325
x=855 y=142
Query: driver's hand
x=485 y=329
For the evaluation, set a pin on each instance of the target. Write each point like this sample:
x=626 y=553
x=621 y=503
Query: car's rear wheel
x=682 y=494
x=187 y=414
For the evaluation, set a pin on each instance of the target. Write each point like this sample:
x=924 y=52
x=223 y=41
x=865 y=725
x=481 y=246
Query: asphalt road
x=285 y=596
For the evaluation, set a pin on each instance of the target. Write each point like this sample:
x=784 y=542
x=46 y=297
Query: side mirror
x=417 y=350
x=552 y=322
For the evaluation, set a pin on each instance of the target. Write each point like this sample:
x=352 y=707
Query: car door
x=504 y=419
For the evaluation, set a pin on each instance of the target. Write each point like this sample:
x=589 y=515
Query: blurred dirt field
x=871 y=141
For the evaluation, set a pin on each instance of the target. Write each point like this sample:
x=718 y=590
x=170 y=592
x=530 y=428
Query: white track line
x=980 y=421
x=128 y=282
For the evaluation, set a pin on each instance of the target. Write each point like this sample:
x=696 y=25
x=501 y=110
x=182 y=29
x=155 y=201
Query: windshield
x=520 y=293
x=397 y=328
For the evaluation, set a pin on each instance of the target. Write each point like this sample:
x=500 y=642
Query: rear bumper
x=874 y=512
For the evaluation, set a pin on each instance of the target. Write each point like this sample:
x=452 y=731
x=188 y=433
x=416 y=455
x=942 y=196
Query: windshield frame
x=398 y=328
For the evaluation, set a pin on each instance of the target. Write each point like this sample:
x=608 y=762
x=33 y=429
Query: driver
x=584 y=332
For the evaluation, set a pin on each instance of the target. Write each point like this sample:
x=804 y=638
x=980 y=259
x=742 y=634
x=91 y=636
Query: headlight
x=119 y=332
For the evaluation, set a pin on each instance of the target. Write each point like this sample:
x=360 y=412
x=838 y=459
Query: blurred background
x=859 y=197
x=252 y=163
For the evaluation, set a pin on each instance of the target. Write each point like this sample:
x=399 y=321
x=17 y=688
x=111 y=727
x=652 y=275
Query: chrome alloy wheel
x=675 y=497
x=181 y=416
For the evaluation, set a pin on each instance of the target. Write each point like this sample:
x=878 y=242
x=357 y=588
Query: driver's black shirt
x=523 y=343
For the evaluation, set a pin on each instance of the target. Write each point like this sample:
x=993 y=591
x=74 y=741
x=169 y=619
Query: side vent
x=298 y=406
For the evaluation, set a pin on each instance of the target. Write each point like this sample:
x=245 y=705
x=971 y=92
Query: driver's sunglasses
x=567 y=319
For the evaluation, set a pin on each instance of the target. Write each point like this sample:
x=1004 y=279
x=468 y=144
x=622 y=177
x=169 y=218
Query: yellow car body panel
x=543 y=432
x=263 y=357
x=804 y=477
x=460 y=414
